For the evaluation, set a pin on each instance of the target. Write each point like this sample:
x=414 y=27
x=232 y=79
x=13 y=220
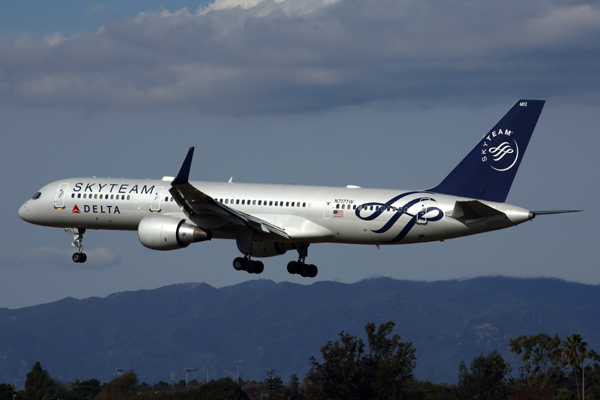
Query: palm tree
x=574 y=353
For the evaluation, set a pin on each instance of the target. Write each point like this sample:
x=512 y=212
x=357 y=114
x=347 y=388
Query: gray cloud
x=98 y=258
x=261 y=56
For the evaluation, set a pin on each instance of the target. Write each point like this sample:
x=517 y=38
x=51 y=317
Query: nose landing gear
x=80 y=256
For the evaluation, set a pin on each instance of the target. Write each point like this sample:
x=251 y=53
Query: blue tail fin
x=488 y=171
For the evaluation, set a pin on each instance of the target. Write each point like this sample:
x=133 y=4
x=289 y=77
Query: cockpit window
x=37 y=195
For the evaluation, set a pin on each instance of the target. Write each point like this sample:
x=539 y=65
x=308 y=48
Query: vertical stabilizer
x=488 y=171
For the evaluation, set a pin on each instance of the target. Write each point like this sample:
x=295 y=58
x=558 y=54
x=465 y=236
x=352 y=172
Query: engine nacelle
x=161 y=232
x=268 y=249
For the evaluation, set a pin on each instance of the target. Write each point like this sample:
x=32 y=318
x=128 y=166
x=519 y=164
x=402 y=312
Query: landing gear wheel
x=293 y=267
x=79 y=257
x=259 y=267
x=240 y=264
x=304 y=270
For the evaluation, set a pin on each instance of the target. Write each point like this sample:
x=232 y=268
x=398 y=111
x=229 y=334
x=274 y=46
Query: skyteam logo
x=500 y=150
x=421 y=208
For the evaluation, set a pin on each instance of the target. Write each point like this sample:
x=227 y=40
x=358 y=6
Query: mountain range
x=280 y=325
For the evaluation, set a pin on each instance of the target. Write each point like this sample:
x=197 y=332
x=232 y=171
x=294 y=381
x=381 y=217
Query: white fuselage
x=308 y=214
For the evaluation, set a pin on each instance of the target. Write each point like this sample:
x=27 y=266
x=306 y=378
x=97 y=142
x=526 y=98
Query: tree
x=39 y=385
x=347 y=372
x=86 y=389
x=6 y=391
x=574 y=353
x=539 y=354
x=484 y=379
x=122 y=387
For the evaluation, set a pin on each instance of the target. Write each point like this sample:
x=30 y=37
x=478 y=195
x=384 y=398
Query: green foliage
x=40 y=386
x=122 y=387
x=540 y=355
x=485 y=379
x=85 y=389
x=574 y=353
x=6 y=391
x=347 y=372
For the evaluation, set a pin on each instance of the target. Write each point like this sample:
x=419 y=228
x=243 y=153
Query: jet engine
x=269 y=249
x=161 y=232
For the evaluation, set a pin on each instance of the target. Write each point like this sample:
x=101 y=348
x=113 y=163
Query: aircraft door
x=155 y=202
x=421 y=214
x=327 y=210
x=59 y=197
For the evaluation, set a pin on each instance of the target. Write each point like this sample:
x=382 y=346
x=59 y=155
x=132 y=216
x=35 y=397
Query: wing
x=206 y=212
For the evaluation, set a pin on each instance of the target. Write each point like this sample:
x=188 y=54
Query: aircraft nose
x=24 y=212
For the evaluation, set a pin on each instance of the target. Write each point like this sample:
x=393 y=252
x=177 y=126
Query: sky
x=379 y=93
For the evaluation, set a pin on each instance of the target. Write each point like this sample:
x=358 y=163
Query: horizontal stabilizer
x=467 y=210
x=555 y=212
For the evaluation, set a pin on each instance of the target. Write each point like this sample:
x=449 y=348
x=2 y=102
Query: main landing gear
x=294 y=267
x=80 y=256
x=248 y=265
x=300 y=267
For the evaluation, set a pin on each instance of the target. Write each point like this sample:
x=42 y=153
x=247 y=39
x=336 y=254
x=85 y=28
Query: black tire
x=250 y=267
x=83 y=258
x=312 y=270
x=303 y=270
x=259 y=267
x=292 y=267
x=77 y=257
x=239 y=264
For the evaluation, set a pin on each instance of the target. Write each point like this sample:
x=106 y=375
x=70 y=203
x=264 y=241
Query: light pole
x=207 y=370
x=237 y=364
x=186 y=370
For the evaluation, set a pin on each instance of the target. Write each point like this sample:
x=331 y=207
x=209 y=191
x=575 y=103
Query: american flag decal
x=338 y=213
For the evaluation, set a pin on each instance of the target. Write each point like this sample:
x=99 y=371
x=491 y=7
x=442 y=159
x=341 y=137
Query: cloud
x=99 y=258
x=263 y=56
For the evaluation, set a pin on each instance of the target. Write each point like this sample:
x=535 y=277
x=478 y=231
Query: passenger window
x=226 y=201
x=287 y=203
x=371 y=208
x=243 y=202
x=281 y=203
x=303 y=204
x=271 y=202
x=101 y=196
x=78 y=195
x=72 y=195
x=259 y=202
x=337 y=206
x=129 y=197
x=112 y=196
x=354 y=207
x=237 y=201
x=276 y=203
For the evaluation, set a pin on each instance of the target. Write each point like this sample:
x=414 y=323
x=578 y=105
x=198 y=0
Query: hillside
x=280 y=325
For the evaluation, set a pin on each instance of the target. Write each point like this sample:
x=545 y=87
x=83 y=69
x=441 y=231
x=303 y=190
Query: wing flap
x=198 y=205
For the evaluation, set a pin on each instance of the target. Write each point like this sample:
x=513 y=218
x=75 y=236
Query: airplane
x=269 y=220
